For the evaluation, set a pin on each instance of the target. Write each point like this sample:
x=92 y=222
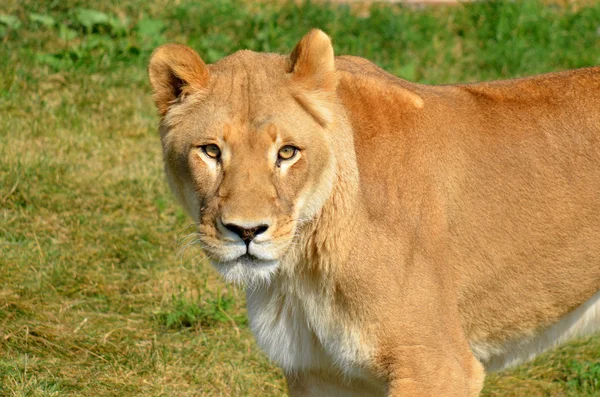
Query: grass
x=99 y=294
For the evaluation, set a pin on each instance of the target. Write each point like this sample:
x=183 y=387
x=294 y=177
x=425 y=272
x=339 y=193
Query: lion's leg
x=476 y=377
x=432 y=376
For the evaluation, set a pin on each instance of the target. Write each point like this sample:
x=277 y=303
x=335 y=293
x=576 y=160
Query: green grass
x=98 y=293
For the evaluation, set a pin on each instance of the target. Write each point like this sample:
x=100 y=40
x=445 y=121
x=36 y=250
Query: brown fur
x=417 y=221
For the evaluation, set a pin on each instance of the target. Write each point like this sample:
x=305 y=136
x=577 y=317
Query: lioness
x=395 y=238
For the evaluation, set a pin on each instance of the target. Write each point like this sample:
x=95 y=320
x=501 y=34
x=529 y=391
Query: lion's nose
x=247 y=234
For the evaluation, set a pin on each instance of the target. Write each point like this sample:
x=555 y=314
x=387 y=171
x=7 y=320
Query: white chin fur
x=247 y=273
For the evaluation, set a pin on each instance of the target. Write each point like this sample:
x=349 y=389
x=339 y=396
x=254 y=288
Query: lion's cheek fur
x=183 y=191
x=311 y=198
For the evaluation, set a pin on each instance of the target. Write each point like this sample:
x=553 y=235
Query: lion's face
x=248 y=158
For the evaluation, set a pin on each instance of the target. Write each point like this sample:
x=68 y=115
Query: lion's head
x=247 y=147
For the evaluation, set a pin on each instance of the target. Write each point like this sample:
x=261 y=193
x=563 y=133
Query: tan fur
x=418 y=225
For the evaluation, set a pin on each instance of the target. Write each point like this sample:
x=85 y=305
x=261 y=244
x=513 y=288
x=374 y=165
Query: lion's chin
x=247 y=271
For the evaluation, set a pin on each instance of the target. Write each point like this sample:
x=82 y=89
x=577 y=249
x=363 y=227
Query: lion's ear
x=175 y=70
x=312 y=66
x=312 y=61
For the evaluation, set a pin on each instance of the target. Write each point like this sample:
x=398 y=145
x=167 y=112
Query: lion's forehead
x=250 y=84
x=251 y=63
x=253 y=121
x=249 y=97
x=248 y=101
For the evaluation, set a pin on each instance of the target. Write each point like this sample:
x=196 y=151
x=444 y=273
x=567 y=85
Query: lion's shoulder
x=361 y=67
x=362 y=81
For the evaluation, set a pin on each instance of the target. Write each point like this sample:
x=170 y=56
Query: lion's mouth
x=249 y=259
x=249 y=265
x=247 y=270
x=243 y=259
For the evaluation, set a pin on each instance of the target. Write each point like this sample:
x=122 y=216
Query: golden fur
x=419 y=231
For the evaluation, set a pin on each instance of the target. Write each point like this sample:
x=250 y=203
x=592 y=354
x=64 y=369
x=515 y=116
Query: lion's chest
x=300 y=331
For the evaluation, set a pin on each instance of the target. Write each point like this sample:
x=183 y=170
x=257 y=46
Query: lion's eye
x=212 y=151
x=287 y=152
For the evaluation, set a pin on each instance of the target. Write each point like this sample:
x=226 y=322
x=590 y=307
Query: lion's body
x=419 y=231
x=512 y=170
